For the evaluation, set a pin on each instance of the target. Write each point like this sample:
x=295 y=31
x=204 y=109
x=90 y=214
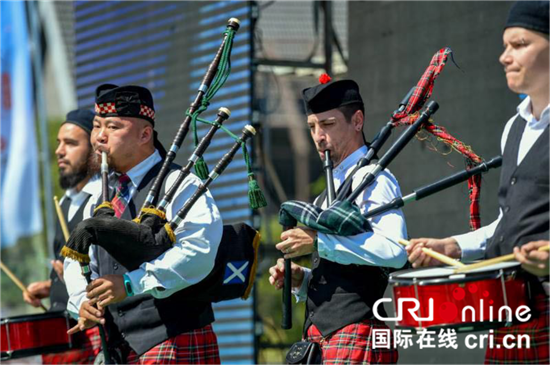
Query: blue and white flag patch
x=236 y=272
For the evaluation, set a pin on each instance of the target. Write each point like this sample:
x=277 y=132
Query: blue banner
x=20 y=189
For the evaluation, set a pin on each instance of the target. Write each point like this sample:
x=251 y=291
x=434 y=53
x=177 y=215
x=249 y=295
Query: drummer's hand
x=277 y=273
x=532 y=260
x=297 y=242
x=36 y=291
x=108 y=289
x=446 y=246
x=58 y=267
x=88 y=316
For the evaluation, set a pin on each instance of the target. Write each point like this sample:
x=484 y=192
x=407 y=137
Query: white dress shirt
x=473 y=244
x=377 y=248
x=188 y=262
x=78 y=197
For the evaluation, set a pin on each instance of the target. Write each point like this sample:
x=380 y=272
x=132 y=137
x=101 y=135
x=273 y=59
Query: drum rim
x=16 y=354
x=450 y=279
x=38 y=316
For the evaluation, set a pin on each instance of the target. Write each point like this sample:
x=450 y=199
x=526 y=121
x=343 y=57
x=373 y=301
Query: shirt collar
x=88 y=189
x=339 y=172
x=93 y=185
x=138 y=172
x=524 y=110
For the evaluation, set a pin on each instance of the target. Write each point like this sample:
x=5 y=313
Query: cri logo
x=400 y=309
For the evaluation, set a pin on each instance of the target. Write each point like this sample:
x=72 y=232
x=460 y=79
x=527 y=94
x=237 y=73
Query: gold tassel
x=75 y=255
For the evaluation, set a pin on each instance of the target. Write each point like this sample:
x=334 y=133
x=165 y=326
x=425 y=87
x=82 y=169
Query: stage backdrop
x=167 y=46
x=390 y=46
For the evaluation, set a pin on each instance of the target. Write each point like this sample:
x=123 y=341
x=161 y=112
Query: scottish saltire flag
x=19 y=200
x=236 y=272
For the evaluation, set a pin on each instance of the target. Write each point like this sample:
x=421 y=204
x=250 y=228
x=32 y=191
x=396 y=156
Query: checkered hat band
x=147 y=112
x=105 y=108
x=109 y=108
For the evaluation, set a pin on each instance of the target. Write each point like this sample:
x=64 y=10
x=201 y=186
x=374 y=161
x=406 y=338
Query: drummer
x=76 y=175
x=523 y=223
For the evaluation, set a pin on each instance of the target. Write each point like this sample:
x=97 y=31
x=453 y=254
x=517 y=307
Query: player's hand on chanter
x=108 y=289
x=89 y=316
x=277 y=274
x=297 y=242
x=446 y=246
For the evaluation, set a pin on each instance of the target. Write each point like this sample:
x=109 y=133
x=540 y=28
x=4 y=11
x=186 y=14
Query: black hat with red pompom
x=330 y=95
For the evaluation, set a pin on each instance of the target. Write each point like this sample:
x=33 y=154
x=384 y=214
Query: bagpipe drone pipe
x=149 y=235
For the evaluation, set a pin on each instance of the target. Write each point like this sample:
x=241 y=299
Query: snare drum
x=467 y=301
x=34 y=335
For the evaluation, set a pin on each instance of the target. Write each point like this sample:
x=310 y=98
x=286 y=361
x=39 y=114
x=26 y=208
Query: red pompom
x=324 y=78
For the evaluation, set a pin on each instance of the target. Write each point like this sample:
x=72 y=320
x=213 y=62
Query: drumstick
x=61 y=218
x=436 y=255
x=18 y=282
x=493 y=261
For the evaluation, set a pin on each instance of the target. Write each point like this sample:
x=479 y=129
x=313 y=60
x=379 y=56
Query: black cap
x=83 y=118
x=124 y=101
x=330 y=95
x=532 y=15
x=127 y=101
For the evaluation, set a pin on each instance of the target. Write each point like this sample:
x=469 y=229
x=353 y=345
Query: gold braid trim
x=104 y=205
x=252 y=275
x=75 y=255
x=170 y=232
x=151 y=210
x=154 y=211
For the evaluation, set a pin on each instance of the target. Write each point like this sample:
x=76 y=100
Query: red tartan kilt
x=353 y=344
x=89 y=344
x=537 y=329
x=199 y=346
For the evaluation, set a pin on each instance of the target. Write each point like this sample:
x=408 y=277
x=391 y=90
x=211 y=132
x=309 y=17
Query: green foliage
x=27 y=261
x=317 y=186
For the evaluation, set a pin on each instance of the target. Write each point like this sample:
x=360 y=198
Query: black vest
x=142 y=320
x=339 y=295
x=523 y=194
x=58 y=291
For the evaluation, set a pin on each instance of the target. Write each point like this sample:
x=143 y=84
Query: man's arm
x=379 y=247
x=76 y=283
x=192 y=257
x=72 y=273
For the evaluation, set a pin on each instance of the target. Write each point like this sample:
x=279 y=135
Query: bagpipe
x=150 y=234
x=342 y=217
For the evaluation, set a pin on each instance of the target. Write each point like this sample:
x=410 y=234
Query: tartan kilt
x=199 y=346
x=353 y=344
x=537 y=329
x=89 y=344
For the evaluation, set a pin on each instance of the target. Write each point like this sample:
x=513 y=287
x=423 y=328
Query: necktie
x=122 y=195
